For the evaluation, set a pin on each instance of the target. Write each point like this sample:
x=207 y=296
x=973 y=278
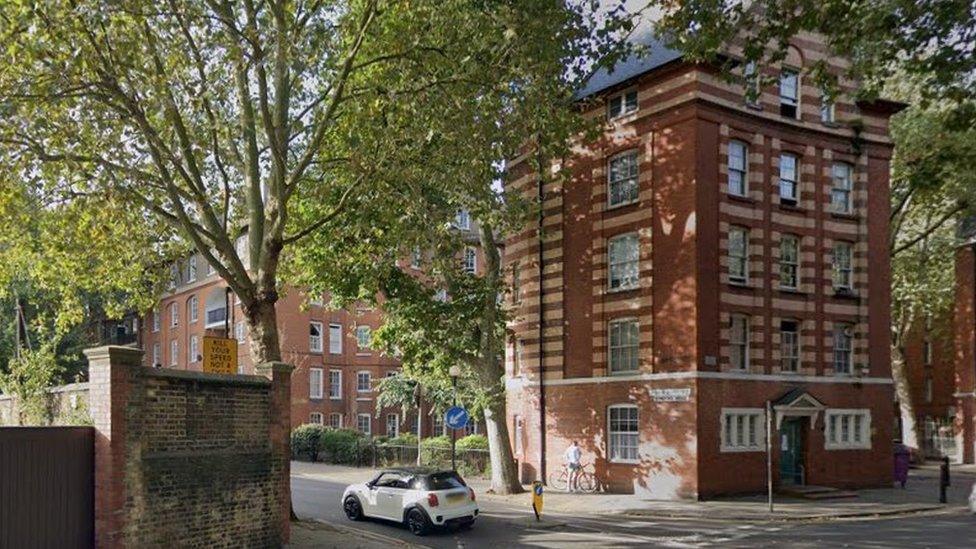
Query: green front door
x=791 y=451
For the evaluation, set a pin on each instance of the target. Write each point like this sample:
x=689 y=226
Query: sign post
x=219 y=355
x=537 y=499
x=456 y=418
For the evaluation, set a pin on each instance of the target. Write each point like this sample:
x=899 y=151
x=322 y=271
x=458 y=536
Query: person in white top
x=573 y=455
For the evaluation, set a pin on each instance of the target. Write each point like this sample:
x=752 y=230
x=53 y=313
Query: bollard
x=943 y=479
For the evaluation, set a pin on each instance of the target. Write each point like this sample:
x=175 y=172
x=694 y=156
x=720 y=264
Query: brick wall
x=186 y=458
x=66 y=405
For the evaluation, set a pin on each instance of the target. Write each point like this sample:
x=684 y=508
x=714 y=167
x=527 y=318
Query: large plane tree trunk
x=504 y=476
x=911 y=431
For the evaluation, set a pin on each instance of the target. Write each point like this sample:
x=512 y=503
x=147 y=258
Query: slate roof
x=655 y=54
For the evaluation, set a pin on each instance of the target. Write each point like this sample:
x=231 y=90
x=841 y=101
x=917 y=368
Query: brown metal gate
x=46 y=487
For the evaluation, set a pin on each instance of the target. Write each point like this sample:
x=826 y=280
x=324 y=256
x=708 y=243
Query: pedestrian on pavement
x=573 y=455
x=902 y=455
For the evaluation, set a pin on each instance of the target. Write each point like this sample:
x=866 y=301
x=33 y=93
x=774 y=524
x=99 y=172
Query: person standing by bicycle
x=573 y=455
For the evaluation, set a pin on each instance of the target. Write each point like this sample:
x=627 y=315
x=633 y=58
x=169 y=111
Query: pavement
x=316 y=491
x=920 y=496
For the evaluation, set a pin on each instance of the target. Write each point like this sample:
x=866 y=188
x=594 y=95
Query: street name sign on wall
x=219 y=355
x=682 y=394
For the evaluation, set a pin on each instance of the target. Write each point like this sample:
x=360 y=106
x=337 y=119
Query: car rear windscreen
x=444 y=481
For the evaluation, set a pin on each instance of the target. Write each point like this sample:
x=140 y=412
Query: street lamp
x=454 y=372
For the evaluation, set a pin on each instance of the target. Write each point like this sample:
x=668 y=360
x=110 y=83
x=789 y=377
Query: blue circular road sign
x=456 y=417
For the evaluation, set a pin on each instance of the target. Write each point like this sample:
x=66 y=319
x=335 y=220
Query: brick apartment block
x=964 y=342
x=335 y=369
x=711 y=252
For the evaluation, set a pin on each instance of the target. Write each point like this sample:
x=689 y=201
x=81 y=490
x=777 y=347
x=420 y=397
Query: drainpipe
x=542 y=353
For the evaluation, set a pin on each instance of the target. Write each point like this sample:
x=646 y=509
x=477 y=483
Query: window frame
x=395 y=424
x=462 y=219
x=612 y=265
x=835 y=442
x=743 y=171
x=239 y=331
x=321 y=418
x=786 y=265
x=174 y=314
x=335 y=327
x=191 y=269
x=842 y=277
x=194 y=351
x=335 y=424
x=369 y=381
x=193 y=309
x=795 y=357
x=157 y=320
x=839 y=329
x=157 y=355
x=312 y=348
x=626 y=180
x=744 y=344
x=725 y=430
x=315 y=388
x=360 y=346
x=734 y=278
x=794 y=183
x=611 y=432
x=174 y=352
x=790 y=102
x=617 y=322
x=338 y=384
x=622 y=99
x=752 y=93
x=368 y=431
x=848 y=190
x=469 y=260
x=828 y=113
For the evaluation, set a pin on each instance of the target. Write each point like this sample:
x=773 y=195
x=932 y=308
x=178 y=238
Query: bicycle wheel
x=557 y=480
x=587 y=483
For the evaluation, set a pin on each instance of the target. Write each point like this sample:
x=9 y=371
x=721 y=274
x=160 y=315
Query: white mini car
x=420 y=498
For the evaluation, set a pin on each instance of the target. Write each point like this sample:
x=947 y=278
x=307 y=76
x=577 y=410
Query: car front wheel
x=417 y=522
x=354 y=511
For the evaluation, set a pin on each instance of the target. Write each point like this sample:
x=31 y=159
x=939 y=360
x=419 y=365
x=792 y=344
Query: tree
x=932 y=188
x=149 y=129
x=931 y=41
x=534 y=113
x=28 y=377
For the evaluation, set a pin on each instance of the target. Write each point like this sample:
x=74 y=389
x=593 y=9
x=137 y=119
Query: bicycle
x=585 y=480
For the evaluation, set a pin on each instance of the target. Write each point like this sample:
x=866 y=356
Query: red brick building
x=930 y=360
x=335 y=369
x=964 y=339
x=713 y=251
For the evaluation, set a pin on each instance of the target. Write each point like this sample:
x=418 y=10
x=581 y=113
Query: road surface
x=501 y=526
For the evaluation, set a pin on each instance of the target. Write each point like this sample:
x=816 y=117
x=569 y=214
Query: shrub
x=472 y=452
x=436 y=451
x=404 y=439
x=473 y=442
x=345 y=447
x=305 y=440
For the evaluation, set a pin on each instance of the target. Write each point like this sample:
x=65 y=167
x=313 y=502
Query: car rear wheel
x=354 y=511
x=417 y=522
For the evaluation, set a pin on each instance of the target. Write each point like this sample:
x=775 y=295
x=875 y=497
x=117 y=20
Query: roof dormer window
x=621 y=104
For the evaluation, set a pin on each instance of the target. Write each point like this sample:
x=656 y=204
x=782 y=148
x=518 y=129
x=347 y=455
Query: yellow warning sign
x=219 y=355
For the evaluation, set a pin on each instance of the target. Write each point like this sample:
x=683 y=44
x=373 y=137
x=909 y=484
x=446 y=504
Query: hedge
x=306 y=439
